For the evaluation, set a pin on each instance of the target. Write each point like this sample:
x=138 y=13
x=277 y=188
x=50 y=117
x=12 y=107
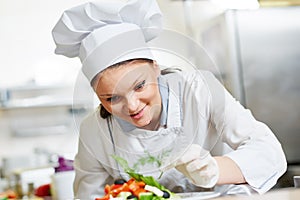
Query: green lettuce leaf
x=149 y=180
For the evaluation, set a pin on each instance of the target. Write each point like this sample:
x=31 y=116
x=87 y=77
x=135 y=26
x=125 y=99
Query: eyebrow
x=105 y=95
x=133 y=85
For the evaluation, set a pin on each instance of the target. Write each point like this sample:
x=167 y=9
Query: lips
x=138 y=115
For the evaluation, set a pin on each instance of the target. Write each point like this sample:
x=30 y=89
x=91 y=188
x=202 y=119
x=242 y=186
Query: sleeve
x=256 y=150
x=90 y=175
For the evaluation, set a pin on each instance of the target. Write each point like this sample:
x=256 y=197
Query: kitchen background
x=256 y=49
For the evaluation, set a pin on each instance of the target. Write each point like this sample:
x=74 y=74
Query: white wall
x=27 y=56
x=26 y=43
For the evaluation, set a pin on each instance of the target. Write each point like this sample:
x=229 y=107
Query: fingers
x=183 y=170
x=205 y=176
x=197 y=165
x=192 y=153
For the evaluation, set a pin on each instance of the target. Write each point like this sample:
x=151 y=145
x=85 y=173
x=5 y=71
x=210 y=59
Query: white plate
x=198 y=195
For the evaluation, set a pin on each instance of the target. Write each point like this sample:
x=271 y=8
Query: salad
x=138 y=187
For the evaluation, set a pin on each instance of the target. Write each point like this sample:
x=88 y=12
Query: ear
x=156 y=68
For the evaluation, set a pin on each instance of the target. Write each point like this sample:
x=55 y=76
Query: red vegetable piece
x=122 y=188
x=43 y=190
x=130 y=181
x=138 y=191
x=106 y=197
x=114 y=186
x=107 y=189
x=141 y=184
x=133 y=186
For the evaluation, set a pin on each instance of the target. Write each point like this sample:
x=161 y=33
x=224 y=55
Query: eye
x=113 y=99
x=140 y=85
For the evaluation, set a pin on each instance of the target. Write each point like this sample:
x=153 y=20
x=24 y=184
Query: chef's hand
x=199 y=166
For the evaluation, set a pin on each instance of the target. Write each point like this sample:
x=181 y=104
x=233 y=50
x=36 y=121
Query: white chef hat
x=105 y=33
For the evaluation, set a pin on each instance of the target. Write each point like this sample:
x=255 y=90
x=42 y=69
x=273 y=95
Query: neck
x=153 y=126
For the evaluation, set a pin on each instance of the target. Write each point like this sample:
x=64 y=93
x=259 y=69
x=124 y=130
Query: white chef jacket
x=196 y=109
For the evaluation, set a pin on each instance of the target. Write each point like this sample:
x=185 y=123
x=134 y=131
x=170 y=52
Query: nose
x=132 y=103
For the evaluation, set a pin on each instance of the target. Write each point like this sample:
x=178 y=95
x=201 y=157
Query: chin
x=143 y=124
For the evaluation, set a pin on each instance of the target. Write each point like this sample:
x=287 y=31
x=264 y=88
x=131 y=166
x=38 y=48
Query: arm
x=256 y=158
x=90 y=175
x=205 y=171
x=229 y=172
x=257 y=153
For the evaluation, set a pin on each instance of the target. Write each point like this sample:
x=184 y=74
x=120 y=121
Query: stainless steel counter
x=279 y=194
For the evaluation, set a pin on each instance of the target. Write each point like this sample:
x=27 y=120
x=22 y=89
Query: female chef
x=184 y=124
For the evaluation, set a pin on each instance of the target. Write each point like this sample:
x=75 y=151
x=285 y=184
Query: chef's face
x=131 y=92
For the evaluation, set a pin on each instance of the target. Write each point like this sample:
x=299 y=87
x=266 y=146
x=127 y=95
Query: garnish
x=149 y=180
x=138 y=187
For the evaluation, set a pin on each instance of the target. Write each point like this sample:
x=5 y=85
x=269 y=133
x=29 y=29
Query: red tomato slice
x=130 y=181
x=114 y=186
x=107 y=189
x=134 y=186
x=141 y=184
x=122 y=188
x=106 y=197
x=138 y=191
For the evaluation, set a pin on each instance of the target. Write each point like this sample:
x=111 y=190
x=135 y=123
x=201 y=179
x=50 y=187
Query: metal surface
x=269 y=40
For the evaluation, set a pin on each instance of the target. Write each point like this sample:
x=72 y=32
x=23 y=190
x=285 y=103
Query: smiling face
x=131 y=92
